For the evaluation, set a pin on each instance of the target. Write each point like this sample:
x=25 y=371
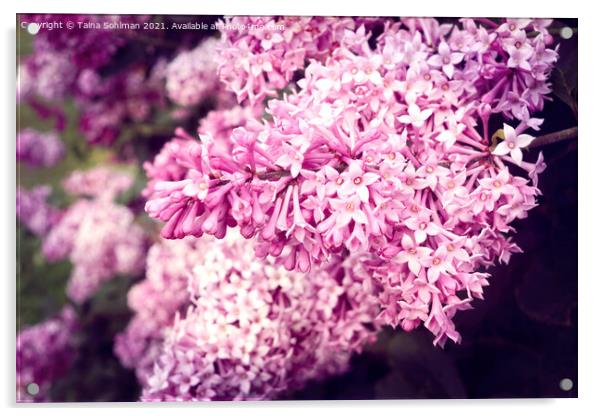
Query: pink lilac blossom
x=176 y=158
x=259 y=55
x=44 y=353
x=34 y=211
x=219 y=124
x=191 y=75
x=39 y=148
x=171 y=163
x=100 y=182
x=254 y=330
x=156 y=300
x=101 y=240
x=384 y=149
x=46 y=74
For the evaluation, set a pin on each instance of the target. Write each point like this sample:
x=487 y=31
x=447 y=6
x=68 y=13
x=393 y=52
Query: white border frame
x=590 y=370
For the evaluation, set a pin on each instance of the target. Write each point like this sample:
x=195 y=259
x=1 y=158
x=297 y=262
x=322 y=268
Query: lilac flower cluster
x=44 y=353
x=59 y=55
x=254 y=330
x=46 y=74
x=219 y=124
x=108 y=103
x=260 y=55
x=38 y=148
x=156 y=300
x=385 y=149
x=99 y=237
x=70 y=62
x=101 y=182
x=176 y=158
x=170 y=164
x=190 y=76
x=33 y=210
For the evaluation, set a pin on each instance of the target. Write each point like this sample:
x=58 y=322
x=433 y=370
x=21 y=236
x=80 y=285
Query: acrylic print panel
x=270 y=208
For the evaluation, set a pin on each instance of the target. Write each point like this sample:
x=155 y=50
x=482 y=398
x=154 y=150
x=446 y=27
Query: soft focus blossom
x=38 y=148
x=101 y=182
x=34 y=211
x=87 y=48
x=101 y=240
x=191 y=75
x=44 y=354
x=46 y=74
x=74 y=62
x=127 y=97
x=156 y=300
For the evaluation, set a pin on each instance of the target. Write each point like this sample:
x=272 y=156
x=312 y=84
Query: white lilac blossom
x=254 y=330
x=383 y=147
x=512 y=144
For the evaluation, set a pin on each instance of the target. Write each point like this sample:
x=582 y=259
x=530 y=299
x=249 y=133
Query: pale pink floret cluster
x=44 y=353
x=101 y=240
x=47 y=74
x=385 y=149
x=220 y=123
x=99 y=237
x=101 y=182
x=33 y=210
x=156 y=300
x=260 y=55
x=254 y=330
x=190 y=77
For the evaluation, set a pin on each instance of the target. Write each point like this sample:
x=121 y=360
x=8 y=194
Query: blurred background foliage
x=520 y=342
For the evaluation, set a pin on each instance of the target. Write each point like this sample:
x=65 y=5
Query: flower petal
x=360 y=217
x=363 y=193
x=414 y=265
x=509 y=132
x=524 y=140
x=369 y=178
x=517 y=155
x=501 y=149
